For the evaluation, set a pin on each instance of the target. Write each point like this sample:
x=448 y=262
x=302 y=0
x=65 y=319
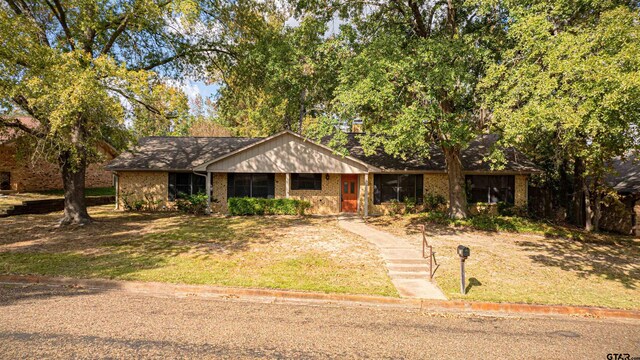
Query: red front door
x=349 y=193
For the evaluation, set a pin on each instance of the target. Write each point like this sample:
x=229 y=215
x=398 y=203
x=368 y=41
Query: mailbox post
x=463 y=253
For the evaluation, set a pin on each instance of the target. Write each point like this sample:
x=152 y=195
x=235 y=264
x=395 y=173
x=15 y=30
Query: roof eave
x=203 y=166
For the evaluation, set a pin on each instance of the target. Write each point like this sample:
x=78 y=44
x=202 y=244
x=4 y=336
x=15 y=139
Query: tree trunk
x=73 y=178
x=598 y=206
x=75 y=206
x=457 y=194
x=578 y=192
x=588 y=211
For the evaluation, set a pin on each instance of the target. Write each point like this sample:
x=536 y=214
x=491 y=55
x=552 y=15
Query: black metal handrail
x=425 y=245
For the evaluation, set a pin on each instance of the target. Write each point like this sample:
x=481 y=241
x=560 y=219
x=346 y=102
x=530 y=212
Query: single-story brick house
x=287 y=165
x=23 y=175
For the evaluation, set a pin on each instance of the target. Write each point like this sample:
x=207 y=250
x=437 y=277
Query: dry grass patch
x=599 y=270
x=301 y=253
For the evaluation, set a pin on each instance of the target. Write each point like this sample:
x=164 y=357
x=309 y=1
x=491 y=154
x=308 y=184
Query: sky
x=195 y=88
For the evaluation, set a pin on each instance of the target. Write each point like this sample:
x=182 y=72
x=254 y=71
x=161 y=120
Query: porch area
x=328 y=194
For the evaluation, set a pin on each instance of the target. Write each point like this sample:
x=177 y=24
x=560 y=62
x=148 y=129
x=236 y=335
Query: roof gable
x=282 y=153
x=290 y=152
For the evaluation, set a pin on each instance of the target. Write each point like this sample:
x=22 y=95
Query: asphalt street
x=45 y=322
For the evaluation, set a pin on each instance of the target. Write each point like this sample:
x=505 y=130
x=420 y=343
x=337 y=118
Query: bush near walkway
x=534 y=262
x=285 y=252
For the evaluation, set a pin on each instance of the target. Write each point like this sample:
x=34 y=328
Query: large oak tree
x=79 y=67
x=568 y=90
x=412 y=75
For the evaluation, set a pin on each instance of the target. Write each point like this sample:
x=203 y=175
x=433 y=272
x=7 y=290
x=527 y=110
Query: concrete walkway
x=408 y=271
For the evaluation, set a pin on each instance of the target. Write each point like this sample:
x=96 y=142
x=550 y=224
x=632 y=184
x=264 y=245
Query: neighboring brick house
x=288 y=165
x=24 y=175
x=623 y=214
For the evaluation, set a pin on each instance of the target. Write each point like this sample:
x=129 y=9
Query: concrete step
x=402 y=261
x=408 y=267
x=409 y=275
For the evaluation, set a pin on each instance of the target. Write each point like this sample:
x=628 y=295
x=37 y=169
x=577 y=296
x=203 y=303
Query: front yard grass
x=534 y=263
x=297 y=253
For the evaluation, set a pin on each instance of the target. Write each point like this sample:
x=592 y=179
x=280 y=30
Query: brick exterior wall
x=521 y=190
x=323 y=202
x=280 y=190
x=143 y=185
x=41 y=175
x=437 y=184
x=219 y=192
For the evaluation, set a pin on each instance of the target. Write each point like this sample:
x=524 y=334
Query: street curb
x=285 y=296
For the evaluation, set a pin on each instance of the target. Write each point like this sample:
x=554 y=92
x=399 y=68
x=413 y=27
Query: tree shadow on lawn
x=613 y=260
x=413 y=226
x=166 y=234
x=488 y=225
x=118 y=245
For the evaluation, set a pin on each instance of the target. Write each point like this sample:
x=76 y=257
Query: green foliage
x=259 y=206
x=488 y=222
x=409 y=71
x=507 y=209
x=438 y=217
x=80 y=68
x=280 y=77
x=171 y=116
x=395 y=207
x=434 y=202
x=132 y=202
x=568 y=86
x=193 y=204
x=410 y=205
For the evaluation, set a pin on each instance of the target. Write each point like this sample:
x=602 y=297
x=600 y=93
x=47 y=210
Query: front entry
x=349 y=193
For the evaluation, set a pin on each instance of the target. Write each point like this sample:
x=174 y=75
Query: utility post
x=463 y=253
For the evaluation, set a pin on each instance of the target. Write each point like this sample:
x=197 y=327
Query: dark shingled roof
x=626 y=178
x=472 y=157
x=186 y=153
x=176 y=153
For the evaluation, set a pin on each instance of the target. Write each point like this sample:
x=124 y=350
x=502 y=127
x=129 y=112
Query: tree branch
x=121 y=27
x=15 y=123
x=62 y=19
x=181 y=54
x=421 y=29
x=149 y=107
x=432 y=13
